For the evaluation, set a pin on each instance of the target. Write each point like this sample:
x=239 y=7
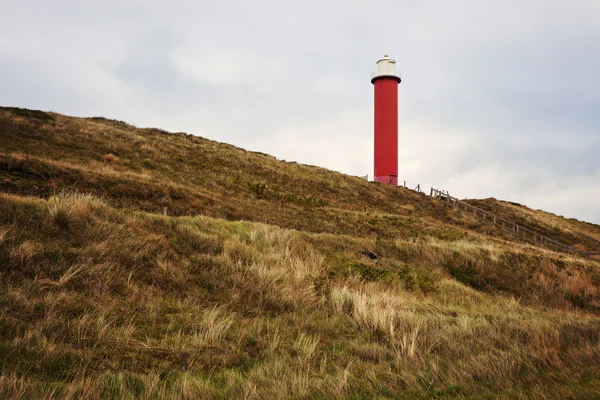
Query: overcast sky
x=498 y=99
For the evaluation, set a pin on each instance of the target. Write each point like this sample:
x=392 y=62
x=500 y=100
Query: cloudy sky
x=498 y=99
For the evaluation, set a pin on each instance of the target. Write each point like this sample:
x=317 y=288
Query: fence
x=516 y=228
x=416 y=189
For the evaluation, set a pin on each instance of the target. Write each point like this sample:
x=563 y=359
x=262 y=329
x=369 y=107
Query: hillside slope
x=353 y=289
x=149 y=169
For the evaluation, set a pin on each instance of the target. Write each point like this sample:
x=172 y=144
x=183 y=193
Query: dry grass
x=420 y=334
x=214 y=325
x=282 y=267
x=293 y=343
x=71 y=273
x=111 y=158
x=66 y=207
x=490 y=249
x=381 y=312
x=25 y=252
x=388 y=299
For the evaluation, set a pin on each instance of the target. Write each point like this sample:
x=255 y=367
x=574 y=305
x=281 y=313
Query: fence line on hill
x=519 y=230
x=538 y=238
x=416 y=189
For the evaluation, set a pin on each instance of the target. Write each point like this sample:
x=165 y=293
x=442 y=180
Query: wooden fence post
x=165 y=211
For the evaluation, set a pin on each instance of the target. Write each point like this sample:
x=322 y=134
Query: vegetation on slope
x=353 y=289
x=149 y=169
x=104 y=303
x=583 y=236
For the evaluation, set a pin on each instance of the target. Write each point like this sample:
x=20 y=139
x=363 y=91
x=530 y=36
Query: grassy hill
x=269 y=279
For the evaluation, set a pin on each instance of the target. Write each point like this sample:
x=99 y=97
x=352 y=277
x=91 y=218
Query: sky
x=498 y=98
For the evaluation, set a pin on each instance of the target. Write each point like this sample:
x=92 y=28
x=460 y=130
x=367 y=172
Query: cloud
x=498 y=98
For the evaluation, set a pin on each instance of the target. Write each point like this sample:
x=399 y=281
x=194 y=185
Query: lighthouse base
x=387 y=179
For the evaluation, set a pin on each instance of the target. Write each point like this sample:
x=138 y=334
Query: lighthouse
x=385 y=80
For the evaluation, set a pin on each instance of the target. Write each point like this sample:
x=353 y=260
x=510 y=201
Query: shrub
x=427 y=281
x=364 y=272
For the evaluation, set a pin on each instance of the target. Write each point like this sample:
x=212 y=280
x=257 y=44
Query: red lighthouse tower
x=386 y=80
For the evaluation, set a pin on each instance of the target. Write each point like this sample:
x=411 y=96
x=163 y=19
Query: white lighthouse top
x=386 y=67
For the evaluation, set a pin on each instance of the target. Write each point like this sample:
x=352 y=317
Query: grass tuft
x=66 y=207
